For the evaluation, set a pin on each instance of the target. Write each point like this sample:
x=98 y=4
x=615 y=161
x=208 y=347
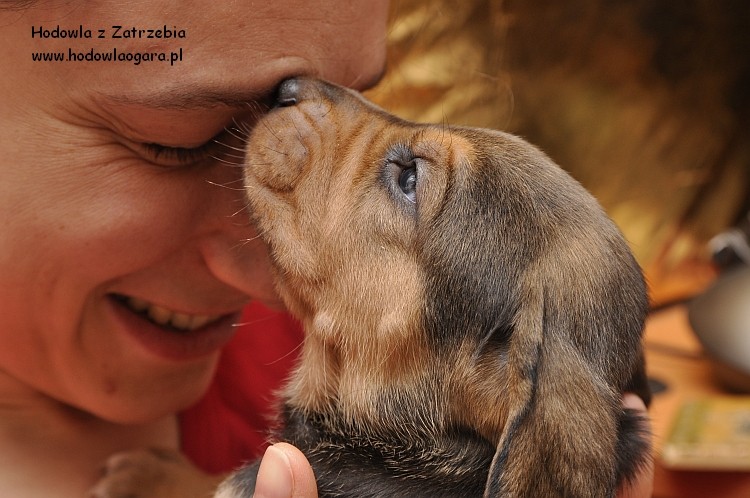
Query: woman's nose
x=229 y=242
x=225 y=203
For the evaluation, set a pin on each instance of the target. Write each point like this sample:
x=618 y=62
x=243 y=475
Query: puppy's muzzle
x=294 y=91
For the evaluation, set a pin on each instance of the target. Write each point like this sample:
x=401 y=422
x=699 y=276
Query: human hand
x=643 y=484
x=285 y=473
x=152 y=473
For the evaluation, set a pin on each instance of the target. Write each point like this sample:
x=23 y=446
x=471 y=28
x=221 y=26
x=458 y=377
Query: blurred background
x=645 y=102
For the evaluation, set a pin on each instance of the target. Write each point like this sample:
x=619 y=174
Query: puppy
x=472 y=316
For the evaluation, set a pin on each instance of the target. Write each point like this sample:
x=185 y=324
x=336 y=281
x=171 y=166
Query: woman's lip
x=169 y=343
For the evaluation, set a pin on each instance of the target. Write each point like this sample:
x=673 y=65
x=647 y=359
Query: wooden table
x=675 y=357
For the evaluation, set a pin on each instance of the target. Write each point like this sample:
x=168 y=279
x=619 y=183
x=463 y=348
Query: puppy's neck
x=356 y=373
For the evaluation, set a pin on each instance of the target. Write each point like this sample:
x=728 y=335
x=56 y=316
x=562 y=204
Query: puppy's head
x=376 y=224
x=464 y=249
x=344 y=195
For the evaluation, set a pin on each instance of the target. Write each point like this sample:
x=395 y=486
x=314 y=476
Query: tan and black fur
x=472 y=316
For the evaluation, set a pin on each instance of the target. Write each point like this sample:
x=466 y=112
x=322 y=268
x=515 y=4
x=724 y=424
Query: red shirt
x=229 y=425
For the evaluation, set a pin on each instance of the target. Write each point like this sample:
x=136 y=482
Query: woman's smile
x=166 y=317
x=171 y=334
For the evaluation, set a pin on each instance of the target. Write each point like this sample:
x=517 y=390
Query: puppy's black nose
x=287 y=94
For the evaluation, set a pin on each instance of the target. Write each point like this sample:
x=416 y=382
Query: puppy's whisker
x=223 y=160
x=272 y=131
x=242 y=127
x=244 y=242
x=256 y=164
x=386 y=359
x=231 y=147
x=241 y=210
x=240 y=159
x=330 y=109
x=300 y=138
x=238 y=134
x=227 y=185
x=279 y=152
x=287 y=355
x=253 y=322
x=236 y=180
x=257 y=109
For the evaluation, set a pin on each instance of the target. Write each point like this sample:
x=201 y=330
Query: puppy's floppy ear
x=522 y=370
x=553 y=389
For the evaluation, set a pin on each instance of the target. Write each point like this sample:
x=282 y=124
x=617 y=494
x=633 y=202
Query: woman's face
x=125 y=246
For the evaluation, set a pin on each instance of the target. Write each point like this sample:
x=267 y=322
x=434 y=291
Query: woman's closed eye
x=217 y=147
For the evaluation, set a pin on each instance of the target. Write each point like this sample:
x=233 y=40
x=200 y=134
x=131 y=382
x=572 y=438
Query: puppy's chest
x=410 y=446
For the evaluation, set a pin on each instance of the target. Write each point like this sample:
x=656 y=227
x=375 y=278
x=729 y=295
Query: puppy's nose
x=288 y=93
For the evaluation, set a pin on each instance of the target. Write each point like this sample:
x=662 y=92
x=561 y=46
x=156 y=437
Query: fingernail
x=274 y=475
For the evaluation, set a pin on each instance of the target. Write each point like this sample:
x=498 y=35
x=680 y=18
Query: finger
x=305 y=485
x=285 y=473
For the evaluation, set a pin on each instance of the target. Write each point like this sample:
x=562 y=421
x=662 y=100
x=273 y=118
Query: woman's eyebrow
x=191 y=98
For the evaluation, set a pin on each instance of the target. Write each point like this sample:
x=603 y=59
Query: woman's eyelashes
x=226 y=146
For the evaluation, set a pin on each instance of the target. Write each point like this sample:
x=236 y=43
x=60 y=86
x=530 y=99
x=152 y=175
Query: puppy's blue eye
x=407 y=182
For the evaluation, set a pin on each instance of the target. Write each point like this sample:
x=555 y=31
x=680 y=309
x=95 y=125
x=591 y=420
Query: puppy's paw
x=152 y=473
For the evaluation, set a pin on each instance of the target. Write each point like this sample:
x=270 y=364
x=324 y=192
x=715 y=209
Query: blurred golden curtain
x=645 y=102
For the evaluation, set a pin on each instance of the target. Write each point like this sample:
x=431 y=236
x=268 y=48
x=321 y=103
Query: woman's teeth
x=167 y=318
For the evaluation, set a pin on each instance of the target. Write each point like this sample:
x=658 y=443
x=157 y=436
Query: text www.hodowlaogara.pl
x=80 y=34
x=113 y=55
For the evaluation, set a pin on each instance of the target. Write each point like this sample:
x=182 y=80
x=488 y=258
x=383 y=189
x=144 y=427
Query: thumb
x=285 y=473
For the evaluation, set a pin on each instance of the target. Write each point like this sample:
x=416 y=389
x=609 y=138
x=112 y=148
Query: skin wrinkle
x=191 y=98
